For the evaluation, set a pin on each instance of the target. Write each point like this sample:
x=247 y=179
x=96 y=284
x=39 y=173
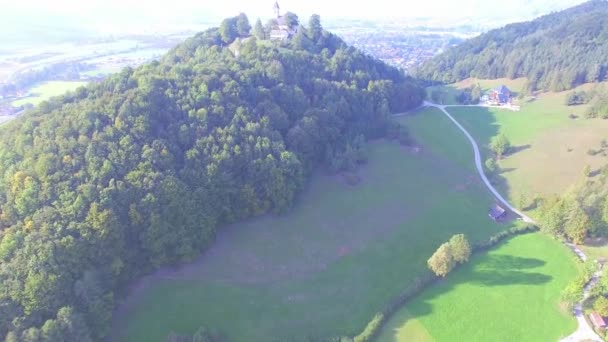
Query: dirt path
x=584 y=332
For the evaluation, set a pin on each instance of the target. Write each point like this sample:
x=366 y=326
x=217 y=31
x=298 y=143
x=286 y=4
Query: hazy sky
x=19 y=18
x=332 y=8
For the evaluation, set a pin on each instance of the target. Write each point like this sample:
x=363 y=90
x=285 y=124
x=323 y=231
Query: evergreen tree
x=228 y=30
x=242 y=25
x=258 y=30
x=315 y=30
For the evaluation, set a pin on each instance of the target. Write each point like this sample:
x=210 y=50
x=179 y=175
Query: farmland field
x=509 y=294
x=338 y=257
x=47 y=90
x=550 y=147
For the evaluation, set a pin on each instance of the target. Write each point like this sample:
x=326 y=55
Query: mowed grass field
x=550 y=148
x=338 y=257
x=46 y=90
x=509 y=294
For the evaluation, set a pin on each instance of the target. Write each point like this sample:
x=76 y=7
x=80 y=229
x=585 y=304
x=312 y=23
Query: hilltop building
x=281 y=29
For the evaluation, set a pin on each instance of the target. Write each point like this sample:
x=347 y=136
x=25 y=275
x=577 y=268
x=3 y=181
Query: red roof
x=597 y=320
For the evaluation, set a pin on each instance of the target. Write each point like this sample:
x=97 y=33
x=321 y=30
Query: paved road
x=584 y=331
x=478 y=164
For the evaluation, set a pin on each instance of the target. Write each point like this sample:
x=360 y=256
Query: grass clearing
x=509 y=294
x=46 y=90
x=329 y=265
x=551 y=148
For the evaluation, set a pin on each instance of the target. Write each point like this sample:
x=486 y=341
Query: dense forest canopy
x=102 y=185
x=555 y=52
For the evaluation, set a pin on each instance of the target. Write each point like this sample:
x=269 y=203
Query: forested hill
x=555 y=52
x=120 y=178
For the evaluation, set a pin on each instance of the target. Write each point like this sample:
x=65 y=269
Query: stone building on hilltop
x=283 y=27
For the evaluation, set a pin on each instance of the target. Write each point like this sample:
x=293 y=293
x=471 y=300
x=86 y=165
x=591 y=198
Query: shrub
x=491 y=165
x=371 y=329
x=500 y=145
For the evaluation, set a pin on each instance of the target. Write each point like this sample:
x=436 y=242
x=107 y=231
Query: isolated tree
x=315 y=30
x=442 y=261
x=228 y=30
x=460 y=247
x=242 y=25
x=258 y=30
x=500 y=145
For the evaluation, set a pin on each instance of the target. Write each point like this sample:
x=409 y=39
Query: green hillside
x=110 y=182
x=555 y=52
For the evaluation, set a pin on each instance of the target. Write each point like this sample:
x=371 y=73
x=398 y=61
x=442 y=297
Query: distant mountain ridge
x=555 y=52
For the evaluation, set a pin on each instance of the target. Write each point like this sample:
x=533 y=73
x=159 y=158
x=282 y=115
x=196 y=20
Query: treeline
x=555 y=52
x=580 y=213
x=117 y=179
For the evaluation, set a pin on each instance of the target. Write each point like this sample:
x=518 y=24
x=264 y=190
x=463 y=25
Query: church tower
x=277 y=9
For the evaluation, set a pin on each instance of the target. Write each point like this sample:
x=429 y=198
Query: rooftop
x=597 y=320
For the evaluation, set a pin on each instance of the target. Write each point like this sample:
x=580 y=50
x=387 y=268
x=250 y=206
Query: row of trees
x=470 y=95
x=580 y=34
x=117 y=179
x=456 y=251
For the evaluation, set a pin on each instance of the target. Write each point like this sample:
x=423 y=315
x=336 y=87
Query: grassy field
x=551 y=149
x=339 y=256
x=47 y=90
x=508 y=294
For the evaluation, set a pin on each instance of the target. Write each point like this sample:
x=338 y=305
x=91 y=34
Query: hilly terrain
x=105 y=184
x=555 y=52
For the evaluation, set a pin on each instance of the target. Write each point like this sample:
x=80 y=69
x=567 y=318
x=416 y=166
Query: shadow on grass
x=486 y=270
x=516 y=149
x=504 y=170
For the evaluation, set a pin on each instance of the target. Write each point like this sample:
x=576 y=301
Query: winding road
x=584 y=331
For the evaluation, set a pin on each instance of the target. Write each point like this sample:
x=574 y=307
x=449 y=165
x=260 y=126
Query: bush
x=492 y=241
x=491 y=165
x=371 y=329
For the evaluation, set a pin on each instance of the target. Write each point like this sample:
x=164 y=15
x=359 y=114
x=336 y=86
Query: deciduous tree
x=442 y=261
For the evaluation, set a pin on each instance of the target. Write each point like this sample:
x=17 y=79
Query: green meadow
x=508 y=294
x=342 y=253
x=46 y=90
